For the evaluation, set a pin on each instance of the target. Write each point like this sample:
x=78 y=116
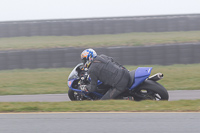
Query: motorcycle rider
x=105 y=69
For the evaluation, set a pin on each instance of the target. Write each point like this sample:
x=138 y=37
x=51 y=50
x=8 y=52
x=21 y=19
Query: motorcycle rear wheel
x=151 y=90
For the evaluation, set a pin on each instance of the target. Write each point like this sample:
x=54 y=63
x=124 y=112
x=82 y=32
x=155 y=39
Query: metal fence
x=93 y=26
x=69 y=57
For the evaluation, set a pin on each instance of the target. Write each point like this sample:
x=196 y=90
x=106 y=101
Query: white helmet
x=87 y=56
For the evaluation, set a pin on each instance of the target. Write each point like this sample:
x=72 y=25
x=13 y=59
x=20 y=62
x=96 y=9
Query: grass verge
x=103 y=106
x=54 y=81
x=126 y=39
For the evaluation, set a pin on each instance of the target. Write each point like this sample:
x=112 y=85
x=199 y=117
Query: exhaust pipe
x=156 y=77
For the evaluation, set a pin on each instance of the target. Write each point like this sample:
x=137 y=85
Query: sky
x=17 y=10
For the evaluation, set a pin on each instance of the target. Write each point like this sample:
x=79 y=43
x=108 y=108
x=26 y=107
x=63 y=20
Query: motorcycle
x=142 y=86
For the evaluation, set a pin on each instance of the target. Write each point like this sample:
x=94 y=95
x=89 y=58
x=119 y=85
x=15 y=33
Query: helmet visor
x=84 y=60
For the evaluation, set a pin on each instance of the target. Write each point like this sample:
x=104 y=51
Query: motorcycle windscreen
x=74 y=73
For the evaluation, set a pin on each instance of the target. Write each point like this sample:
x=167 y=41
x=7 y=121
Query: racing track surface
x=100 y=123
x=173 y=95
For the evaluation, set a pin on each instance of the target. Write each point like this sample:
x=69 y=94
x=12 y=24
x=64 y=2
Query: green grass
x=127 y=39
x=103 y=106
x=54 y=81
x=35 y=81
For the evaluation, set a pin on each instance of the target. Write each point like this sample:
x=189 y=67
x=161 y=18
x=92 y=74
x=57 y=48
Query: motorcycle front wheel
x=74 y=96
x=151 y=90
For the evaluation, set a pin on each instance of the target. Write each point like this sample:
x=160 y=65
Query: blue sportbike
x=142 y=86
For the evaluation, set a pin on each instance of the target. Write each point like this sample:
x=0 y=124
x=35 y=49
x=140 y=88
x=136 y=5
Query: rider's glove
x=83 y=88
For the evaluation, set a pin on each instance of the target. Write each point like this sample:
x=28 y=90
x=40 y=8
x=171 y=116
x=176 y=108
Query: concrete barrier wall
x=94 y=26
x=69 y=57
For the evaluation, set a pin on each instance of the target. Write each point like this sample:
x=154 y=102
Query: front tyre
x=71 y=95
x=74 y=96
x=151 y=90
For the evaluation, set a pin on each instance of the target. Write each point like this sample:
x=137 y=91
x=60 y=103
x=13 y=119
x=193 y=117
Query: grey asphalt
x=173 y=95
x=100 y=123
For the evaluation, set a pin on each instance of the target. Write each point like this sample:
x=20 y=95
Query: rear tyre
x=151 y=90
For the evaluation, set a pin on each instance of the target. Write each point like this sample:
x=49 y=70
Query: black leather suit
x=111 y=73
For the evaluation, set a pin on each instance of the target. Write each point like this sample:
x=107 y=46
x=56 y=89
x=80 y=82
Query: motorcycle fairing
x=70 y=83
x=141 y=74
